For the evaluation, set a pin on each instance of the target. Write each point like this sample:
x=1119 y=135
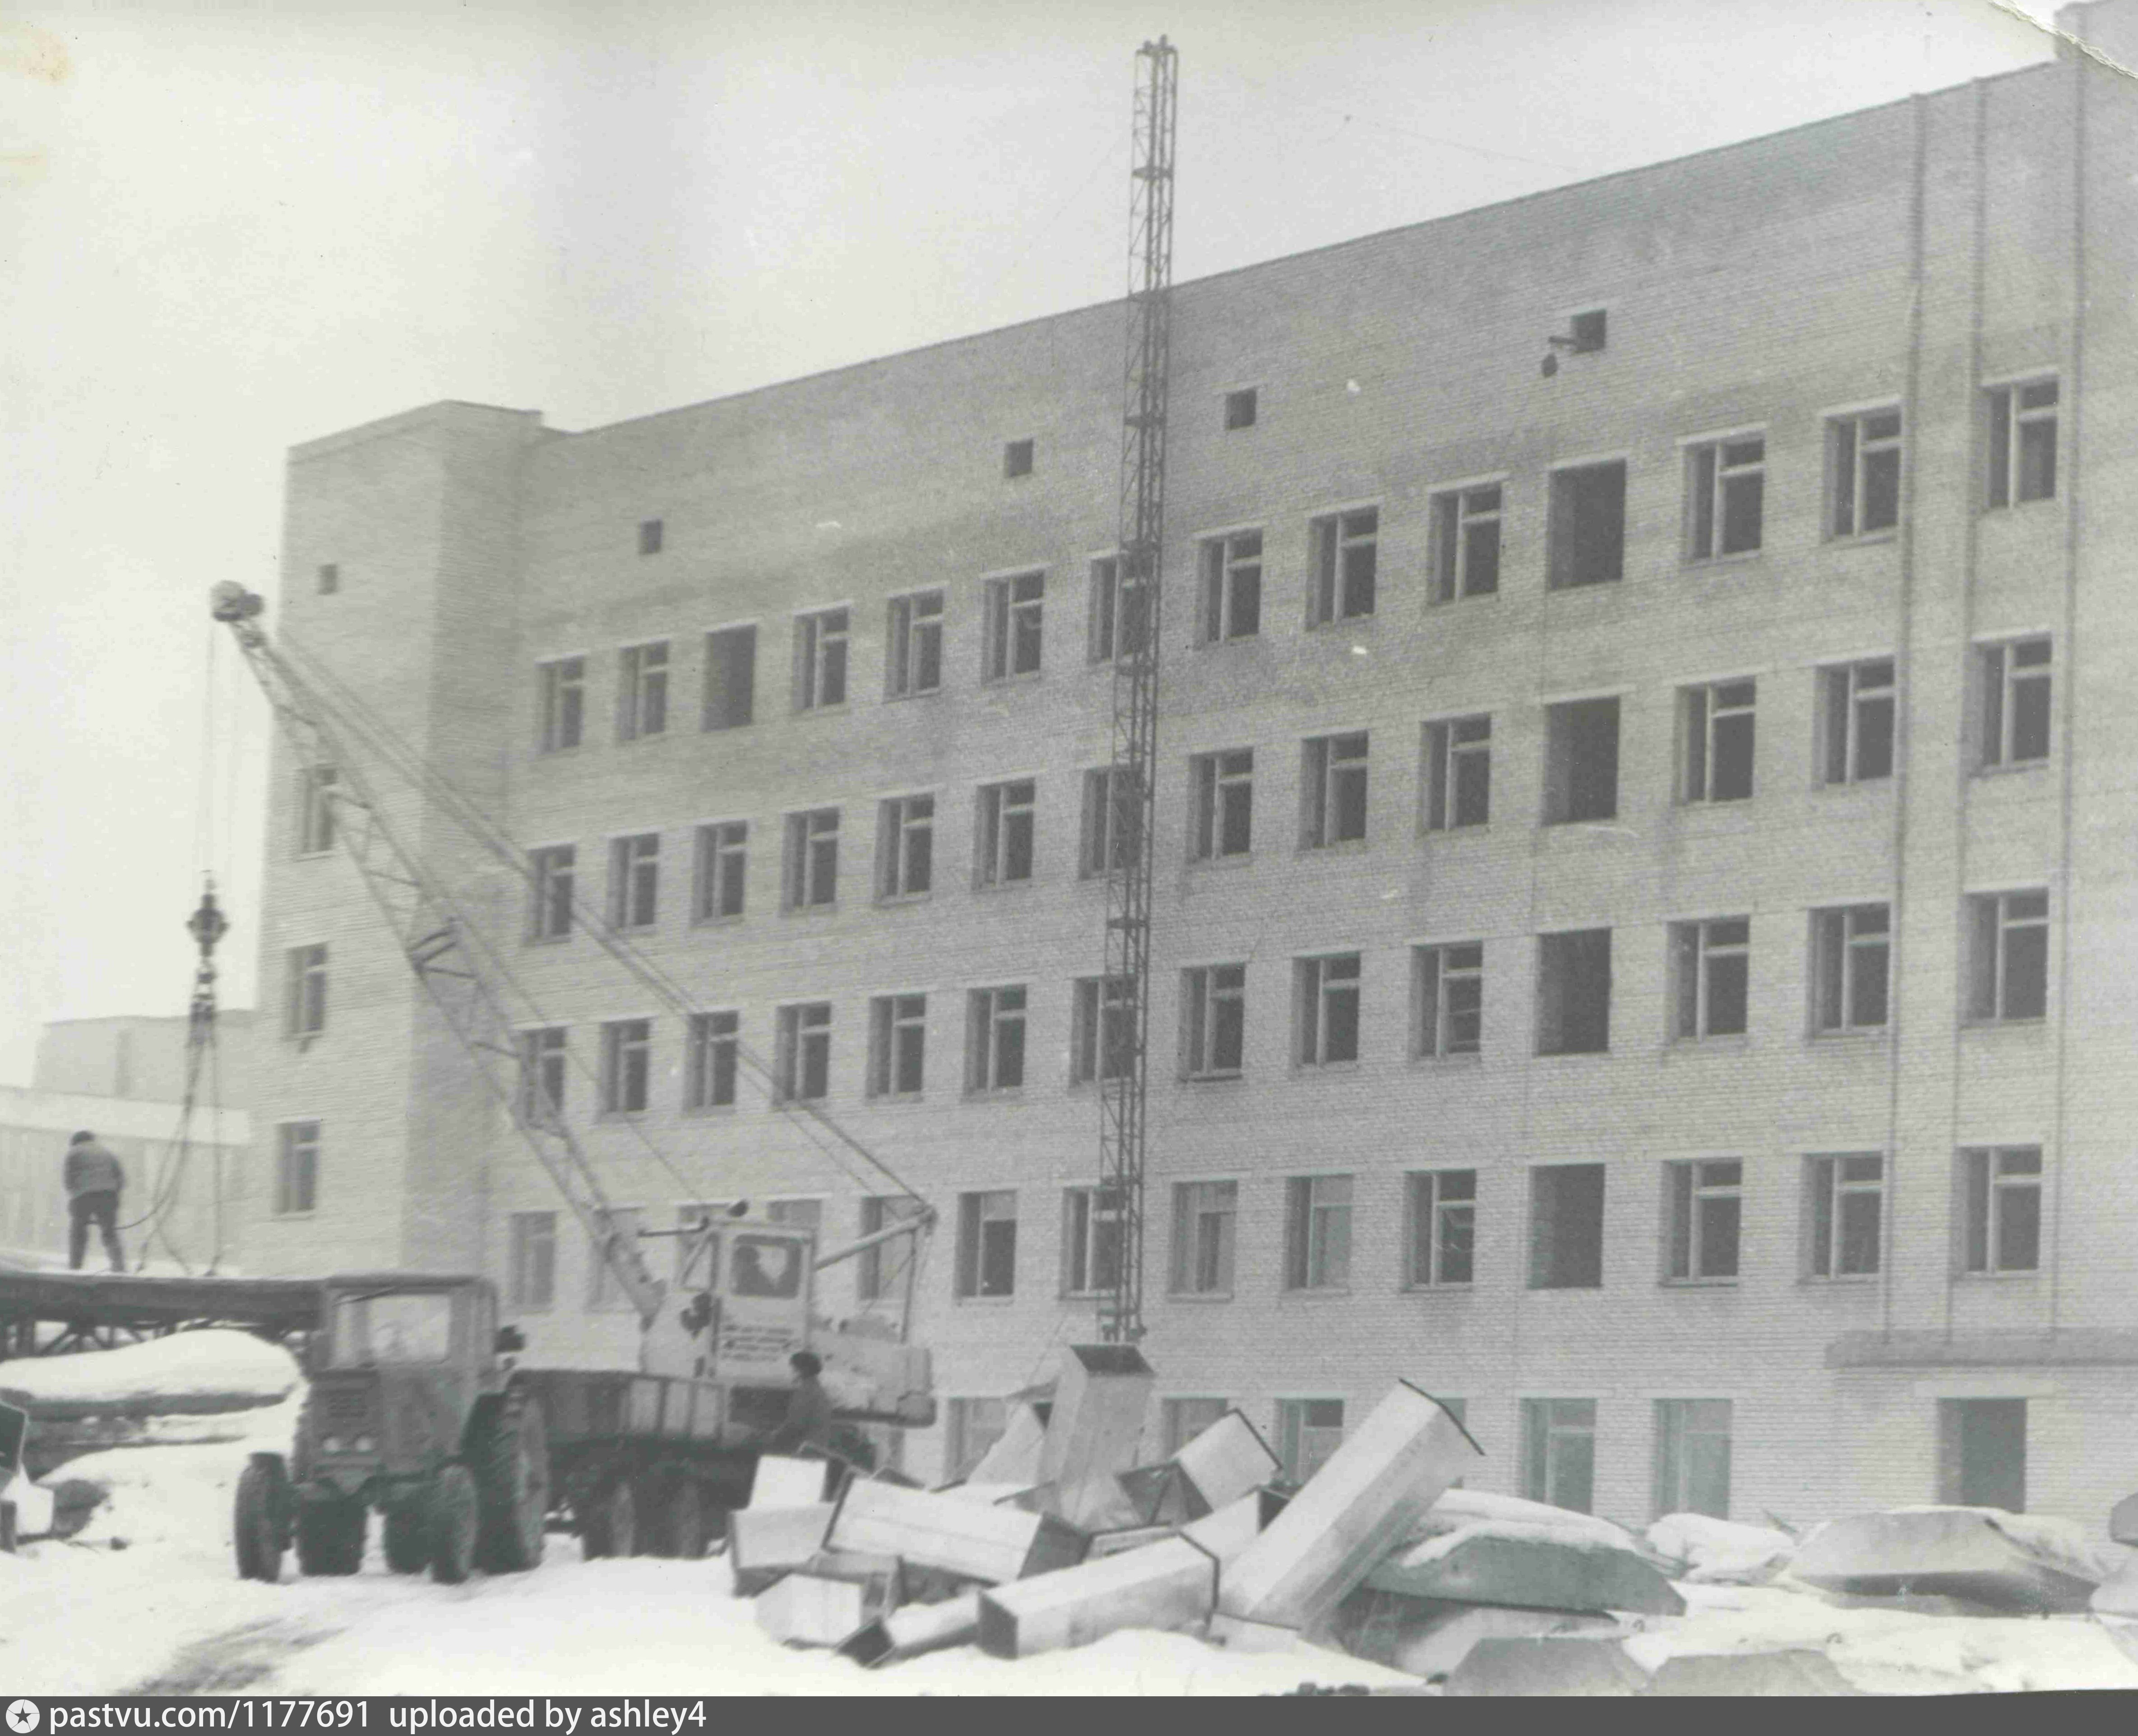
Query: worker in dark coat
x=808 y=1422
x=94 y=1184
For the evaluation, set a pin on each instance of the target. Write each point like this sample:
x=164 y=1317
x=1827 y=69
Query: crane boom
x=433 y=934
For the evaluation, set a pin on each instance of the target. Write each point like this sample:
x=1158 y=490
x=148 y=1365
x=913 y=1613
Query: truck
x=418 y=1407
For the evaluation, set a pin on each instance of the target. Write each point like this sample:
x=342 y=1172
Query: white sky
x=228 y=228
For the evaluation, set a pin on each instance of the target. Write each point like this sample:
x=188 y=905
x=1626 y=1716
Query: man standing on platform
x=94 y=1184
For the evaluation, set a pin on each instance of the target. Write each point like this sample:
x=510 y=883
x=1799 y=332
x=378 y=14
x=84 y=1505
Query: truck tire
x=330 y=1537
x=608 y=1525
x=650 y=1495
x=407 y=1538
x=510 y=1458
x=257 y=1531
x=453 y=1513
x=688 y=1532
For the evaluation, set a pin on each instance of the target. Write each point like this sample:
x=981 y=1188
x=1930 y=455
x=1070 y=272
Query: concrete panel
x=1528 y=1572
x=1167 y=1586
x=1949 y=1552
x=990 y=1543
x=780 y=1481
x=917 y=1628
x=1226 y=1460
x=805 y=1609
x=1429 y=1637
x=1100 y=1398
x=1528 y=1667
x=1792 y=1674
x=765 y=1542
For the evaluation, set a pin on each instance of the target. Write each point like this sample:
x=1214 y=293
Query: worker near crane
x=808 y=1422
x=94 y=1184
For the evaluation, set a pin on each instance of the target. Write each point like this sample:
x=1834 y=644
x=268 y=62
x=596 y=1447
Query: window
x=913 y=639
x=1240 y=409
x=1863 y=473
x=1692 y=1456
x=720 y=870
x=634 y=876
x=1711 y=972
x=552 y=873
x=604 y=1293
x=1715 y=741
x=1345 y=551
x=1850 y=958
x=1573 y=992
x=730 y=677
x=641 y=693
x=820 y=660
x=2001 y=1209
x=1566 y=1226
x=1113 y=821
x=1447 y=988
x=1466 y=542
x=1010 y=635
x=1458 y=773
x=1090 y=1240
x=315 y=813
x=714 y=1044
x=1333 y=791
x=986 y=1243
x=1222 y=789
x=305 y=991
x=1328 y=1009
x=1856 y=721
x=1214 y=1011
x=1317 y=1232
x=1982 y=1452
x=1231 y=587
x=1586 y=531
x=627 y=1055
x=1846 y=1195
x=971 y=1427
x=2015 y=702
x=797 y=1214
x=1204 y=1214
x=328 y=578
x=542 y=1072
x=1558 y=1452
x=1182 y=1419
x=1589 y=329
x=650 y=532
x=994 y=1039
x=883 y=1268
x=1087 y=1060
x=905 y=846
x=1725 y=482
x=296 y=1168
x=1705 y=1204
x=564 y=695
x=1581 y=761
x=898 y=1045
x=2023 y=443
x=532 y=1281
x=1017 y=458
x=812 y=876
x=1441 y=1206
x=1120 y=611
x=801 y=1063
x=2008 y=959
x=1003 y=852
x=1309 y=1431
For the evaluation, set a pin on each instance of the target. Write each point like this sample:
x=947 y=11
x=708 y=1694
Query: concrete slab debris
x=1161 y=1495
x=1015 y=1457
x=1429 y=1636
x=1224 y=1462
x=1482 y=1565
x=991 y=1544
x=1594 y=1667
x=1374 y=1487
x=1955 y=1551
x=1917 y=1603
x=2123 y=1520
x=1227 y=1533
x=1800 y=1673
x=1119 y=1543
x=1101 y=1395
x=1164 y=1587
x=806 y=1609
x=915 y=1628
x=764 y=1542
x=780 y=1481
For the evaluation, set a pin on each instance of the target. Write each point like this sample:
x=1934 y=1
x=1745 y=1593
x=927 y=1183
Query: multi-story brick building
x=1645 y=871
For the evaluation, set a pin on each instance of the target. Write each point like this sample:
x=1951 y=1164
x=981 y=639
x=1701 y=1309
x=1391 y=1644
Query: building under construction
x=1640 y=867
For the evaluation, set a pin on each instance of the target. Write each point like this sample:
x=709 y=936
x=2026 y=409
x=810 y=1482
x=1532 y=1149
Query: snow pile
x=1439 y=1548
x=1468 y=1509
x=216 y=1363
x=1720 y=1552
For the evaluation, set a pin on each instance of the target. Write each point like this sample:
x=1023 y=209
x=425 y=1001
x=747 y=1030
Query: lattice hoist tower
x=1124 y=1013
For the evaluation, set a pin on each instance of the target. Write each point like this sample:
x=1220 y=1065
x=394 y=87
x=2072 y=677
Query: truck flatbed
x=103 y=1308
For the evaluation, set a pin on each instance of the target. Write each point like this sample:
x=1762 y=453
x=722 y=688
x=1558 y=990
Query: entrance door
x=1984 y=1452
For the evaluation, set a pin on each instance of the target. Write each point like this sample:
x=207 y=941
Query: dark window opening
x=1587 y=531
x=1017 y=458
x=1573 y=992
x=1566 y=1226
x=1240 y=409
x=1581 y=761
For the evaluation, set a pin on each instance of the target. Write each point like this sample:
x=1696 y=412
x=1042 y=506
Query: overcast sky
x=227 y=227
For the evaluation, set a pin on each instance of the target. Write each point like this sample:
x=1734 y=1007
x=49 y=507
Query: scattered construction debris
x=2006 y=1561
x=991 y=1545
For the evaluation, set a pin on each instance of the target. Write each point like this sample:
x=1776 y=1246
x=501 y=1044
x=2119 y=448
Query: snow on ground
x=1719 y=1550
x=216 y=1363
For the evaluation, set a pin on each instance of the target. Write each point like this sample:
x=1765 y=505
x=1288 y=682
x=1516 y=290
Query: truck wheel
x=258 y=1527
x=608 y=1525
x=452 y=1515
x=407 y=1538
x=330 y=1537
x=650 y=1495
x=511 y=1462
x=688 y=1534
